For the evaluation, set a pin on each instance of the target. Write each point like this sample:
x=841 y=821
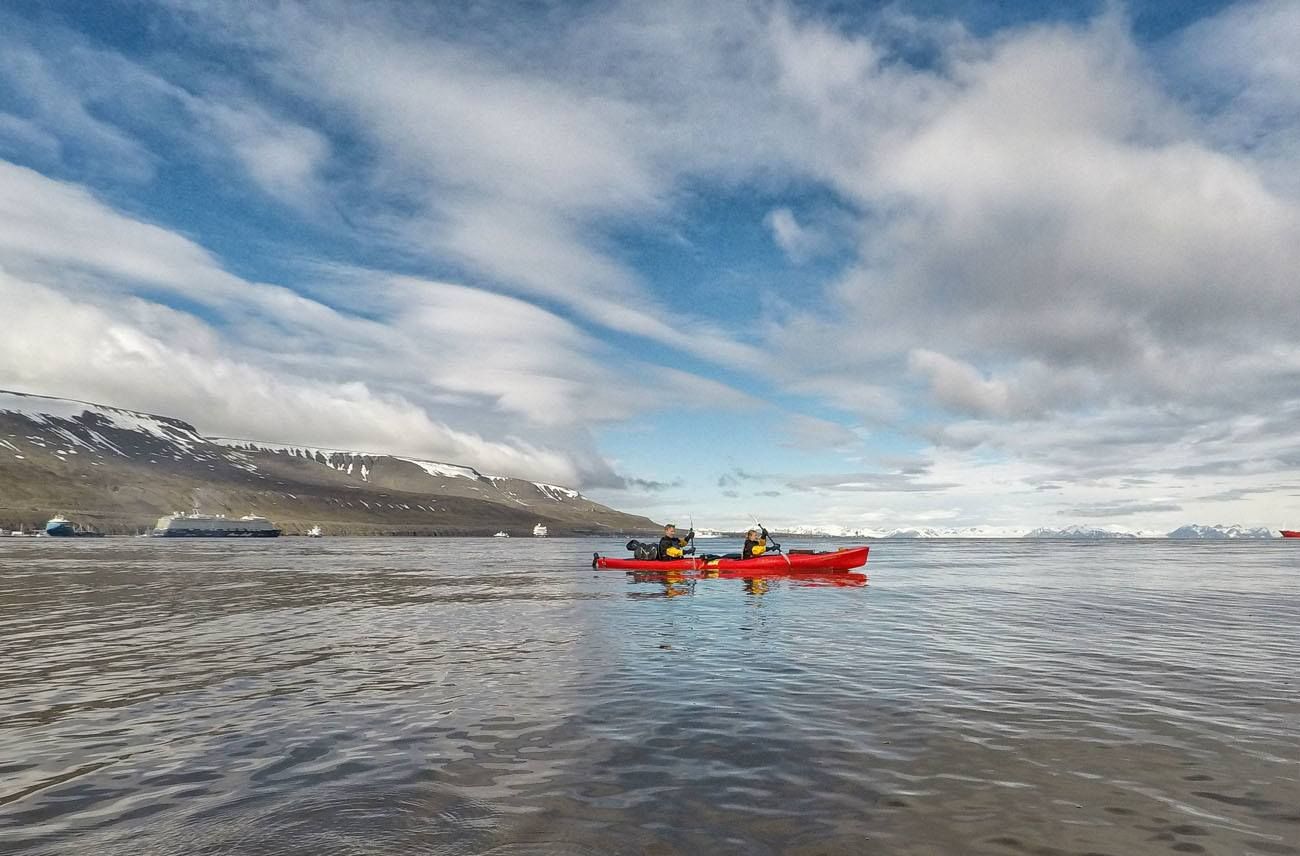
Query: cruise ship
x=197 y=525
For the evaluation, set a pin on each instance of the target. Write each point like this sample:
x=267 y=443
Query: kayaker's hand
x=690 y=536
x=764 y=533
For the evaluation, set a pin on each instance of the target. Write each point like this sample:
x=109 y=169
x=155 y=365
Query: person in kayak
x=672 y=547
x=755 y=543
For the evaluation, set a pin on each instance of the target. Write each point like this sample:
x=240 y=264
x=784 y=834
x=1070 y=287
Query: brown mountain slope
x=116 y=471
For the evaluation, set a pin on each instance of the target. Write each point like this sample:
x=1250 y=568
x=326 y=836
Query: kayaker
x=672 y=547
x=755 y=543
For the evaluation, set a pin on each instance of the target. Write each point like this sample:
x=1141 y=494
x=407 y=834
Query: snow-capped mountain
x=956 y=532
x=827 y=532
x=1088 y=533
x=123 y=469
x=907 y=532
x=1074 y=532
x=1219 y=532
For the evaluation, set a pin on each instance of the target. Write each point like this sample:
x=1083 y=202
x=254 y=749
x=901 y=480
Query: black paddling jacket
x=666 y=542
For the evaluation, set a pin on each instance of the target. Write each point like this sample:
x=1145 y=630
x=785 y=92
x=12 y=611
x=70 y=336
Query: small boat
x=314 y=532
x=1290 y=533
x=786 y=564
x=501 y=535
x=539 y=531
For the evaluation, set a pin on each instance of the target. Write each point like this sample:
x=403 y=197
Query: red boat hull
x=781 y=563
x=1290 y=533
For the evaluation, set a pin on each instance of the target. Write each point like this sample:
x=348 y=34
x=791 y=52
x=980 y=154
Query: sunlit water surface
x=498 y=696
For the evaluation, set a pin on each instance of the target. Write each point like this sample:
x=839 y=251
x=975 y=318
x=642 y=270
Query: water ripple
x=473 y=696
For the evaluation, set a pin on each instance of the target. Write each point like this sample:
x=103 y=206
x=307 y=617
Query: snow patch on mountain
x=55 y=413
x=349 y=461
x=555 y=492
x=441 y=470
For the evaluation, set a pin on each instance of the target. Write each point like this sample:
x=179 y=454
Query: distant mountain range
x=1221 y=533
x=116 y=471
x=1086 y=533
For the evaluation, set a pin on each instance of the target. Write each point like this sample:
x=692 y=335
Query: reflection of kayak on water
x=834 y=579
x=779 y=564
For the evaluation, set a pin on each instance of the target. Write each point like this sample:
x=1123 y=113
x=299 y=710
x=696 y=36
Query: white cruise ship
x=539 y=531
x=197 y=525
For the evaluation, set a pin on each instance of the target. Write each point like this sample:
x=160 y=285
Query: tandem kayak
x=780 y=563
x=1290 y=533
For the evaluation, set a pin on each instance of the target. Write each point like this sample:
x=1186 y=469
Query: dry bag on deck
x=648 y=552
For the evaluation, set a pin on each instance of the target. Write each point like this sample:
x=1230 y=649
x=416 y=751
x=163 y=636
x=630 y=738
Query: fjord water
x=446 y=696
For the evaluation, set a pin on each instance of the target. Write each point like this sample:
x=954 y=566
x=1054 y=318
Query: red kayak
x=1290 y=533
x=784 y=564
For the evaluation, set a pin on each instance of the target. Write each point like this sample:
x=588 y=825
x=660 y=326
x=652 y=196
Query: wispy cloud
x=798 y=241
x=1119 y=509
x=867 y=482
x=273 y=351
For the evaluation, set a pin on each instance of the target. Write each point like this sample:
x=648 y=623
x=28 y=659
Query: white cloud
x=798 y=242
x=959 y=385
x=283 y=158
x=812 y=433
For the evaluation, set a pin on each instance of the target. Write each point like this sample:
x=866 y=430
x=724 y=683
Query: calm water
x=491 y=696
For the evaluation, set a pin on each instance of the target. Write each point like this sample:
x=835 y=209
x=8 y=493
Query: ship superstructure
x=60 y=527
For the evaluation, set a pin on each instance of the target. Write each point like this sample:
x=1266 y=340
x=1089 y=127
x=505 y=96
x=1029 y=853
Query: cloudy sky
x=903 y=264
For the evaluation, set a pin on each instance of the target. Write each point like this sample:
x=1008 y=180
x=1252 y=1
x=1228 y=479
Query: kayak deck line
x=793 y=564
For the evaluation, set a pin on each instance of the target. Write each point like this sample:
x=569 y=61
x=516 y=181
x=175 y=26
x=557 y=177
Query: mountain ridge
x=117 y=470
